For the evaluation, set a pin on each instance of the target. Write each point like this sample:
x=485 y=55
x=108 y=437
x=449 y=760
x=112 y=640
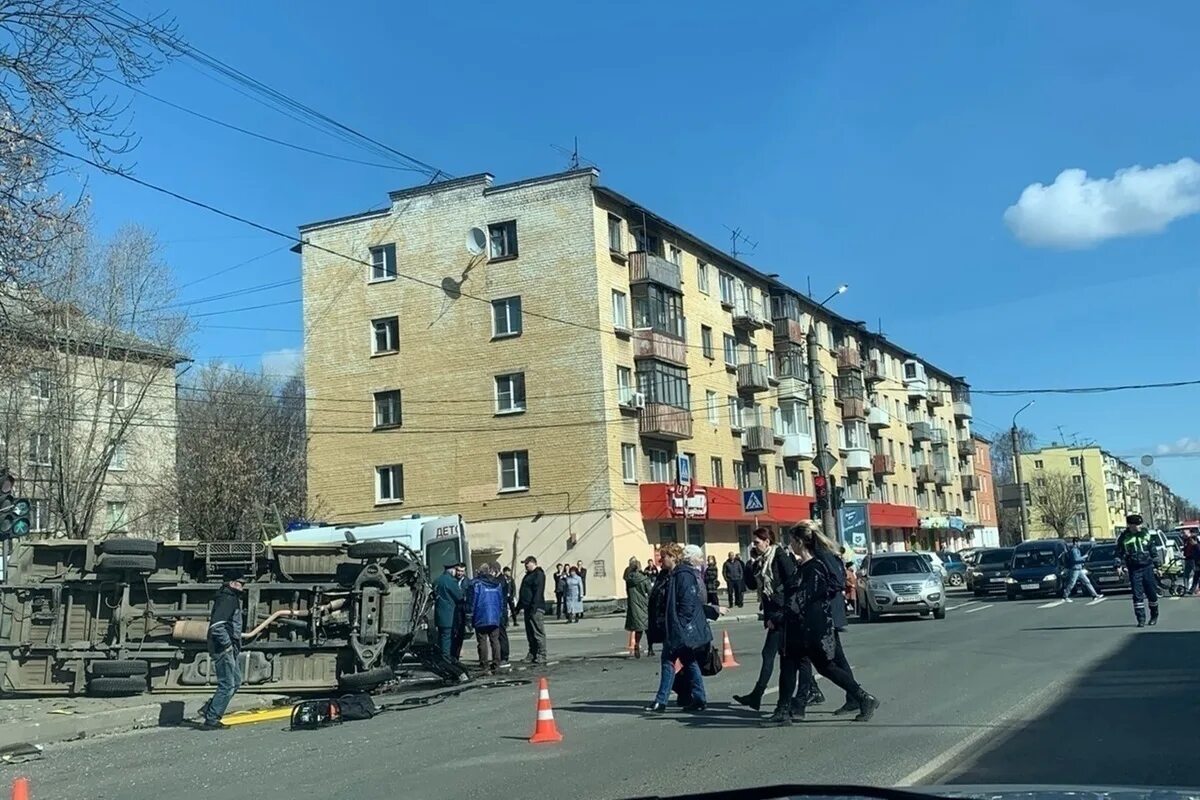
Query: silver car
x=899 y=583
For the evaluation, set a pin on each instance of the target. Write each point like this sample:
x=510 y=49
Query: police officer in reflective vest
x=1136 y=547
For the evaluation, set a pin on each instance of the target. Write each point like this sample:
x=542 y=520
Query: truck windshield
x=441 y=552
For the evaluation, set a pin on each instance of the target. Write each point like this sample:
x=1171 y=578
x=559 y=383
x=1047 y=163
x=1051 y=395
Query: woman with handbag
x=682 y=619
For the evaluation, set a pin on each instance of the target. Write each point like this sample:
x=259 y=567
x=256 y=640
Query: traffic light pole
x=816 y=385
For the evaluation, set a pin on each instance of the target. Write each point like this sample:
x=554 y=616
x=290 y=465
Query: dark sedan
x=1105 y=571
x=990 y=570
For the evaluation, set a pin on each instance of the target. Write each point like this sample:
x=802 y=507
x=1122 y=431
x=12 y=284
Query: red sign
x=695 y=498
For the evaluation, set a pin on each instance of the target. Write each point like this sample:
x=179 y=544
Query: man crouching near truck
x=224 y=647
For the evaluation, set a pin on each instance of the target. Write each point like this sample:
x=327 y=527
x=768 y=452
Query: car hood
x=1034 y=572
x=903 y=577
x=988 y=569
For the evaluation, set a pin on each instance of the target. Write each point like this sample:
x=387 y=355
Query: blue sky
x=876 y=144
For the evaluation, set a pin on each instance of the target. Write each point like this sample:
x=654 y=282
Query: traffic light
x=821 y=492
x=14 y=511
x=839 y=496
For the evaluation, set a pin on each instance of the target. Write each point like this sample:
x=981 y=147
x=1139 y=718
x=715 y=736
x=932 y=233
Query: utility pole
x=1016 y=455
x=1087 y=505
x=816 y=383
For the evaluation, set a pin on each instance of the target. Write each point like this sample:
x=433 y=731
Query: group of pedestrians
x=488 y=600
x=570 y=586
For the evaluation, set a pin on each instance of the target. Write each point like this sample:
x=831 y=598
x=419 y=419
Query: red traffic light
x=819 y=483
x=7 y=482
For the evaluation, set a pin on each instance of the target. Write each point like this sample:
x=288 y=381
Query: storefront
x=892 y=527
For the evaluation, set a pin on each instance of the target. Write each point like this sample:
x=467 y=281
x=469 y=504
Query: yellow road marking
x=257 y=715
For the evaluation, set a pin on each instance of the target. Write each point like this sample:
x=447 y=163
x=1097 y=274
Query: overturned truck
x=125 y=616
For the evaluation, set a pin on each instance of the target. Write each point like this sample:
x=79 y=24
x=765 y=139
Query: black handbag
x=710 y=662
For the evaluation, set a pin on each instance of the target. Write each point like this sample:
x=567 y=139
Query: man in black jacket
x=530 y=600
x=734 y=573
x=224 y=647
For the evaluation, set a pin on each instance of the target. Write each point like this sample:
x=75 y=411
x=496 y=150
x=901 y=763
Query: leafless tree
x=242 y=453
x=1003 y=471
x=89 y=420
x=1058 y=500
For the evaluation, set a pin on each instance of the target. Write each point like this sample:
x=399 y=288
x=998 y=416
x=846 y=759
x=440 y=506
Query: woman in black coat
x=711 y=584
x=809 y=635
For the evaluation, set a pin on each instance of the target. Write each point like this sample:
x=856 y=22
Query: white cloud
x=288 y=361
x=1077 y=211
x=1184 y=445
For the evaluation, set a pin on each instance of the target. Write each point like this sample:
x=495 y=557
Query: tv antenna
x=574 y=160
x=736 y=235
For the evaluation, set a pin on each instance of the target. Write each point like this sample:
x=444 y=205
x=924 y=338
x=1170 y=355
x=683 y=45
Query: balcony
x=878 y=418
x=856 y=459
x=648 y=268
x=915 y=381
x=962 y=403
x=923 y=473
x=970 y=483
x=921 y=431
x=665 y=422
x=848 y=358
x=752 y=378
x=942 y=476
x=758 y=439
x=793 y=387
x=853 y=408
x=748 y=316
x=937 y=396
x=649 y=343
x=873 y=371
x=966 y=447
x=848 y=387
x=940 y=437
x=789 y=330
x=883 y=464
x=797 y=445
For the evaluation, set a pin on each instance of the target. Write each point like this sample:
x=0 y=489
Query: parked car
x=956 y=568
x=1037 y=568
x=989 y=573
x=1105 y=570
x=935 y=561
x=899 y=583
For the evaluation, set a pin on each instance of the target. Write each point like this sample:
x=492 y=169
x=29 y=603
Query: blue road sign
x=683 y=470
x=754 y=501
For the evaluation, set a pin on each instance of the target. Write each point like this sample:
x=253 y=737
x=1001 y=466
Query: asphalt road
x=1026 y=692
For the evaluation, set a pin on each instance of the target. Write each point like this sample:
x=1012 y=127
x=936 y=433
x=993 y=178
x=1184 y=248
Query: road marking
x=962 y=605
x=977 y=608
x=1052 y=604
x=1097 y=600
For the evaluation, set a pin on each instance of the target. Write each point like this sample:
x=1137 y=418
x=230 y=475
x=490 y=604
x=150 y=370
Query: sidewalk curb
x=164 y=712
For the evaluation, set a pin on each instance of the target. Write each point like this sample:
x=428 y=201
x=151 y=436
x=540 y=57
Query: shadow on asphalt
x=1121 y=723
x=1074 y=627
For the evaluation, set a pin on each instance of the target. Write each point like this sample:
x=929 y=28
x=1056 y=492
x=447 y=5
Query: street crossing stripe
x=977 y=608
x=962 y=605
x=1052 y=604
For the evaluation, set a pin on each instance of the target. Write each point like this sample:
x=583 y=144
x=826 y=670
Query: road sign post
x=754 y=501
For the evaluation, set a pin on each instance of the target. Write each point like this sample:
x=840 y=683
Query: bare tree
x=1058 y=500
x=90 y=419
x=1003 y=470
x=242 y=453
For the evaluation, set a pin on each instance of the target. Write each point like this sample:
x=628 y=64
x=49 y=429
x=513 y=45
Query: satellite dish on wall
x=476 y=241
x=1147 y=460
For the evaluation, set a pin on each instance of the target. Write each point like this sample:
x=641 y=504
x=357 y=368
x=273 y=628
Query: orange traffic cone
x=20 y=789
x=727 y=659
x=544 y=729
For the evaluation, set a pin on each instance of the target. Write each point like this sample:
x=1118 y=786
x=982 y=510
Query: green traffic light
x=20 y=527
x=21 y=507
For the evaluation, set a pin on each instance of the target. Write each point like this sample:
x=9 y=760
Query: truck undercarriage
x=124 y=616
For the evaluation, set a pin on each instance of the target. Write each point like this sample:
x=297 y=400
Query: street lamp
x=840 y=290
x=1016 y=451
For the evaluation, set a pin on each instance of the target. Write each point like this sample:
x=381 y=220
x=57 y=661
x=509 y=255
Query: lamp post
x=816 y=384
x=1016 y=451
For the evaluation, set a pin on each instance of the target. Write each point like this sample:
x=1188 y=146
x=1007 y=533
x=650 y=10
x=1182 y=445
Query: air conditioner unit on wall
x=637 y=400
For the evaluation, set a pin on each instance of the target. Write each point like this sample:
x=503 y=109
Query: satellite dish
x=476 y=241
x=1147 y=460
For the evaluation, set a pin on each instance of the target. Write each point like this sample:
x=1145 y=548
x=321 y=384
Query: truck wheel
x=119 y=669
x=121 y=563
x=127 y=546
x=360 y=681
x=116 y=687
x=373 y=550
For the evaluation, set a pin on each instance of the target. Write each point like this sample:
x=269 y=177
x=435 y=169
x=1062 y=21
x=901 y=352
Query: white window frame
x=736 y=412
x=706 y=342
x=620 y=307
x=118 y=461
x=660 y=464
x=395 y=493
x=728 y=287
x=381 y=270
x=506 y=388
x=502 y=240
x=517 y=458
x=702 y=276
x=713 y=404
x=624 y=385
x=39 y=383
x=382 y=400
x=675 y=255
x=38 y=455
x=115 y=392
x=629 y=458
x=391 y=327
x=729 y=347
x=116 y=523
x=510 y=309
x=717 y=470
x=39 y=515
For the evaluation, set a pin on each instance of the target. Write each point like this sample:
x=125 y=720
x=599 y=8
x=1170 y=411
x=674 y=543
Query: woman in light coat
x=573 y=599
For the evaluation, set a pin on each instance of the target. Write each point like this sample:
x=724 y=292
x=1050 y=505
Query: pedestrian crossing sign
x=754 y=501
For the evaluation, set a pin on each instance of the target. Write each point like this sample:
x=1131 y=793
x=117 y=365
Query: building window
x=39 y=515
x=740 y=475
x=514 y=471
x=615 y=240
x=117 y=460
x=702 y=277
x=39 y=384
x=718 y=471
x=624 y=385
x=506 y=317
x=727 y=287
x=660 y=465
x=386 y=338
x=1074 y=461
x=711 y=402
x=116 y=392
x=675 y=255
x=667 y=532
x=795 y=479
x=510 y=393
x=663 y=383
x=1077 y=479
x=503 y=239
x=39 y=449
x=387 y=409
x=731 y=358
x=629 y=463
x=620 y=310
x=779 y=485
x=770 y=364
x=735 y=412
x=658 y=308
x=117 y=515
x=706 y=341
x=383 y=263
x=389 y=483
x=1037 y=464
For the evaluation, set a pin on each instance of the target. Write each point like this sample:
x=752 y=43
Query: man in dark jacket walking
x=530 y=600
x=510 y=592
x=447 y=599
x=224 y=647
x=734 y=572
x=487 y=615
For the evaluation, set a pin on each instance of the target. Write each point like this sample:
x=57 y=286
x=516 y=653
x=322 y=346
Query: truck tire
x=359 y=681
x=373 y=550
x=116 y=687
x=126 y=563
x=119 y=669
x=127 y=546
